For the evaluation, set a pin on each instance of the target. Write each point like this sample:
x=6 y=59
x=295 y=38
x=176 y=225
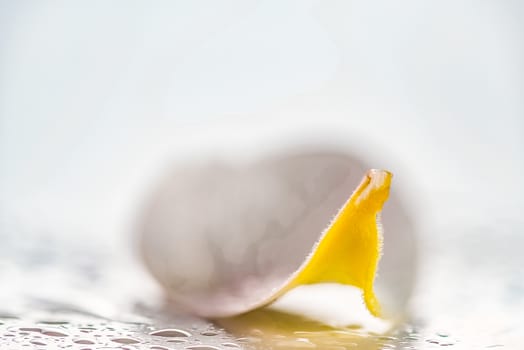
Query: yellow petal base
x=349 y=250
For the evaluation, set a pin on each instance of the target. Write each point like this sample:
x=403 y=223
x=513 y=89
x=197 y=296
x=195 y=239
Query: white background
x=96 y=96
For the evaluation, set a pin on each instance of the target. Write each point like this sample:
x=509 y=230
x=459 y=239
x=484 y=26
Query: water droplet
x=412 y=337
x=83 y=341
x=171 y=332
x=158 y=347
x=125 y=340
x=248 y=340
x=38 y=342
x=387 y=338
x=54 y=333
x=209 y=333
x=201 y=347
x=57 y=322
x=231 y=345
x=30 y=329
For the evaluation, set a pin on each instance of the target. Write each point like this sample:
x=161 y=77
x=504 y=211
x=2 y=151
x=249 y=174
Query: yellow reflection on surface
x=271 y=329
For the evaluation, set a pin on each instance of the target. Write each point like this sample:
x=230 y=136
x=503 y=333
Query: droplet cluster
x=18 y=334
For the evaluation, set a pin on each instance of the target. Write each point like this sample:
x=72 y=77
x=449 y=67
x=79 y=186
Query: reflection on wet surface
x=112 y=335
x=56 y=296
x=284 y=334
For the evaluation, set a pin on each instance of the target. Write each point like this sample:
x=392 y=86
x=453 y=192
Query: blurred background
x=96 y=98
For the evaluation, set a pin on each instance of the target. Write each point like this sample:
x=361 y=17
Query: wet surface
x=56 y=294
